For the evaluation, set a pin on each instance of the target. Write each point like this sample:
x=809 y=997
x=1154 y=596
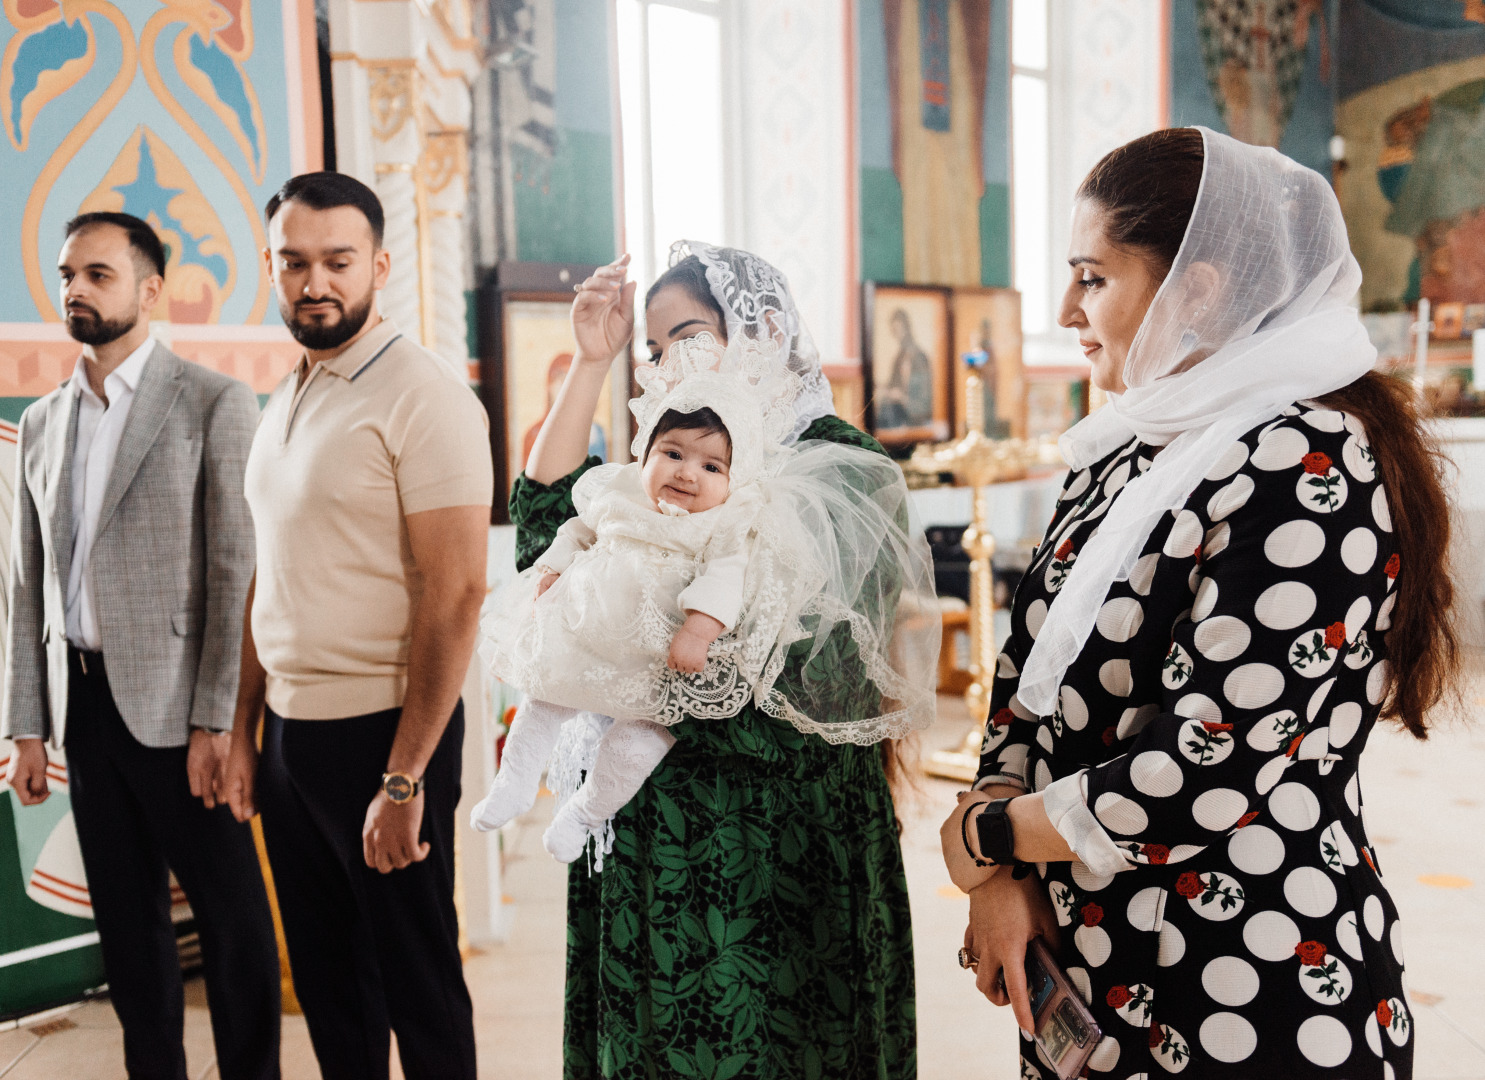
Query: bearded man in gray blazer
x=131 y=558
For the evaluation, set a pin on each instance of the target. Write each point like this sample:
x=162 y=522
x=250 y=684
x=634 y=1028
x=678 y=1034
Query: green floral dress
x=753 y=918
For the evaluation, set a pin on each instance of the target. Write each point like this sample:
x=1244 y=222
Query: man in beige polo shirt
x=370 y=484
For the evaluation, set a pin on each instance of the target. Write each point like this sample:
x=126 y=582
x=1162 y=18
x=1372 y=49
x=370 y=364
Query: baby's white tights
x=528 y=745
x=628 y=752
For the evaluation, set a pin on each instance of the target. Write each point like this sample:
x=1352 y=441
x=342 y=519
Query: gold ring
x=967 y=959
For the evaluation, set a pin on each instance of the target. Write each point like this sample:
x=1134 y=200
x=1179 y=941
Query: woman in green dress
x=752 y=919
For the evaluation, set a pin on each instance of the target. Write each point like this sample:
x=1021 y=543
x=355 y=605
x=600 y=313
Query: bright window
x=671 y=108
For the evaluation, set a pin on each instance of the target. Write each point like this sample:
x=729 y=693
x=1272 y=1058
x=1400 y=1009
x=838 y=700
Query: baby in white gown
x=693 y=581
x=654 y=544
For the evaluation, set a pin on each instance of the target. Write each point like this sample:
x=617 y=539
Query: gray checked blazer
x=170 y=564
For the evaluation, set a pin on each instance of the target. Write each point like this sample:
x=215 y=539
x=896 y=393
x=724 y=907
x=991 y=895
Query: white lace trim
x=573 y=758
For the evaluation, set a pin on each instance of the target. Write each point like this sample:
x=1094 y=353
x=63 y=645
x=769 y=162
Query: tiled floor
x=1425 y=806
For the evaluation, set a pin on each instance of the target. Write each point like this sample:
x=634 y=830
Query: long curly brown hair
x=1147 y=190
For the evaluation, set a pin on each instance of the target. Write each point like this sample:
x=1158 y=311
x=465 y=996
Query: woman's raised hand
x=603 y=313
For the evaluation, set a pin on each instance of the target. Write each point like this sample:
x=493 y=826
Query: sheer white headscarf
x=1254 y=315
x=756 y=301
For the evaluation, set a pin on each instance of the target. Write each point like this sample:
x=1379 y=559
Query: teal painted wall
x=565 y=203
x=995 y=204
x=995 y=235
x=49 y=980
x=881 y=194
x=881 y=225
x=12 y=407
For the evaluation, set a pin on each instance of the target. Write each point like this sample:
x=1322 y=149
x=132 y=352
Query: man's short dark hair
x=327 y=190
x=149 y=253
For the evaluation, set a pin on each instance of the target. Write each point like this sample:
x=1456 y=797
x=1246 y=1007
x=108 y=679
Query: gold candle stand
x=976 y=461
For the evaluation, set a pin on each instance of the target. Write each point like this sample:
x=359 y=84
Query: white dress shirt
x=99 y=428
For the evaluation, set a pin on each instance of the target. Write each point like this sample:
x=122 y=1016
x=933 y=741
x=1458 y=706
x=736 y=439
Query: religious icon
x=1411 y=190
x=937 y=73
x=1056 y=399
x=987 y=322
x=538 y=351
x=907 y=366
x=1254 y=53
x=556 y=373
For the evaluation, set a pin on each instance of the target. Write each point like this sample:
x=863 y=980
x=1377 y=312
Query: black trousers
x=371 y=953
x=136 y=821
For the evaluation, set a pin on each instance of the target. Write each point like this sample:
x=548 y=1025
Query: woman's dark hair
x=148 y=252
x=326 y=191
x=690 y=275
x=1147 y=190
x=703 y=420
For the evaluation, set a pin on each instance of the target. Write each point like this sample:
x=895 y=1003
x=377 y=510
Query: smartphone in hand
x=1065 y=1031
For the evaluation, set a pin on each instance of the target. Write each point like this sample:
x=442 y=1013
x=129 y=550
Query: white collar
x=129 y=372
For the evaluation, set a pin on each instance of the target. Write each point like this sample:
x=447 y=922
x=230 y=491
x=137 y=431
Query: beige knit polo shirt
x=344 y=450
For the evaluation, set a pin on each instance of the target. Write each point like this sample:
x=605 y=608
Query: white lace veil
x=756 y=301
x=1255 y=314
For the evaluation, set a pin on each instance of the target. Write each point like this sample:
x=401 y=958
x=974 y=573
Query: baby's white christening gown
x=812 y=540
x=599 y=638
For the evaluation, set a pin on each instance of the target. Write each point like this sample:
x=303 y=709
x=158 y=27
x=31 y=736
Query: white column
x=445 y=171
x=396 y=147
x=401 y=300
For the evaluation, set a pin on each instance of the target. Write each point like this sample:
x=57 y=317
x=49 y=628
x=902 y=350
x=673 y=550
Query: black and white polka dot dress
x=1220 y=709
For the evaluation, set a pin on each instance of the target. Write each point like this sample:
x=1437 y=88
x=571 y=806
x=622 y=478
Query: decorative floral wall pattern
x=187 y=113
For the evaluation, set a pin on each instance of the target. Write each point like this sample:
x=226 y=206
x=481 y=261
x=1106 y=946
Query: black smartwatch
x=997 y=840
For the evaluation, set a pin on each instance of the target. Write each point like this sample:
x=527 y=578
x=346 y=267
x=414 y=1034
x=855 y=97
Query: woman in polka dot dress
x=1243 y=574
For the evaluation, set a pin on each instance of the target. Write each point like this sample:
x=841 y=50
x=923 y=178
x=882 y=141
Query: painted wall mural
x=187 y=113
x=933 y=114
x=1260 y=70
x=1412 y=111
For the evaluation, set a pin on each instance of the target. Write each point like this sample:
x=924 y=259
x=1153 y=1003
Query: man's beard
x=320 y=336
x=85 y=325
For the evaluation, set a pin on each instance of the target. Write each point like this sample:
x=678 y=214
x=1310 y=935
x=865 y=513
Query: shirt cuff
x=1066 y=804
x=18 y=738
x=714 y=598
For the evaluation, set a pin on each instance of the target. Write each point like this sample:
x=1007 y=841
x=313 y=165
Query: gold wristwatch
x=400 y=788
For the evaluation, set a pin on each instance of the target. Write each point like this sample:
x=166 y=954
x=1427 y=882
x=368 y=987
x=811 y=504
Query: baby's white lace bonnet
x=743 y=383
